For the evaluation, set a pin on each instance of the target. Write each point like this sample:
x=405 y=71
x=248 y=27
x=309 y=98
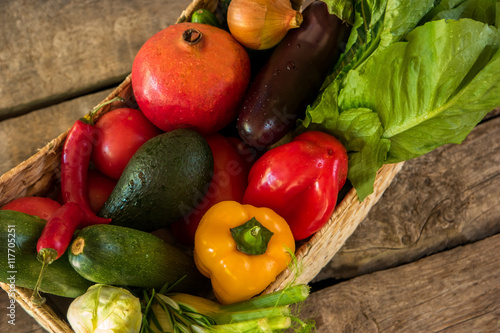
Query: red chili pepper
x=54 y=240
x=75 y=162
x=76 y=210
x=300 y=181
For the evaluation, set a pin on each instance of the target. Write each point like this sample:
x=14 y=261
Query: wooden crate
x=40 y=174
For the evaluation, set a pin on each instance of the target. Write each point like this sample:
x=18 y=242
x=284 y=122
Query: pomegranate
x=190 y=75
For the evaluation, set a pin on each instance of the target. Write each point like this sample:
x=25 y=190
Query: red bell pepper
x=300 y=181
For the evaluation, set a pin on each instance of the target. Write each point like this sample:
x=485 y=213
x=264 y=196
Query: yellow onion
x=261 y=24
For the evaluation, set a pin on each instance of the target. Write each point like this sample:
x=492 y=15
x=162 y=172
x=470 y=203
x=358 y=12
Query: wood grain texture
x=39 y=174
x=23 y=136
x=23 y=323
x=324 y=244
x=45 y=315
x=453 y=291
x=493 y=114
x=437 y=201
x=58 y=49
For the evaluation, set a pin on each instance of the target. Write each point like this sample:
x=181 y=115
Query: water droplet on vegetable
x=290 y=65
x=298 y=45
x=276 y=72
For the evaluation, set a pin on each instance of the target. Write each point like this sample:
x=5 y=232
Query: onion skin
x=292 y=77
x=261 y=24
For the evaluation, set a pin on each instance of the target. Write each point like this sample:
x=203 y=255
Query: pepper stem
x=251 y=237
x=46 y=256
x=89 y=117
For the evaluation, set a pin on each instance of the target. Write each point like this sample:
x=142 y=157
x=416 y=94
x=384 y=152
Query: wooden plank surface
x=24 y=135
x=365 y=250
x=24 y=323
x=55 y=50
x=453 y=291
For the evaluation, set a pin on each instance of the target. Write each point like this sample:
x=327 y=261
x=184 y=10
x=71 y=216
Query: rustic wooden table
x=425 y=259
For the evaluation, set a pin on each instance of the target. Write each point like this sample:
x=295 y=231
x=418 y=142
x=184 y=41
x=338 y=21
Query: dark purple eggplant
x=291 y=78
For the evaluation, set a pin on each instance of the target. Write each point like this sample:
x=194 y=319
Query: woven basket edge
x=338 y=229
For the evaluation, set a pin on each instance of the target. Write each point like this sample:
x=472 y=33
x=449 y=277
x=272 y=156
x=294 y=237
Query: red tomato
x=38 y=206
x=228 y=183
x=120 y=133
x=248 y=154
x=99 y=188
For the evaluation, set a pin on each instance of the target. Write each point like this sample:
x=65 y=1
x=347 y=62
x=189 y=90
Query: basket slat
x=320 y=249
x=44 y=314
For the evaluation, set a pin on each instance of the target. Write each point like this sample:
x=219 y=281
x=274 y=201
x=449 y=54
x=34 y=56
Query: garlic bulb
x=261 y=24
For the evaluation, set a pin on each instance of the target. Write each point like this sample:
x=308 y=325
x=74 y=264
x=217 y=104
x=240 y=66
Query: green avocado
x=162 y=182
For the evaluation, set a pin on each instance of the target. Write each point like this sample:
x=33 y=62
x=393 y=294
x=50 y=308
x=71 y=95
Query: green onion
x=287 y=296
x=263 y=325
x=180 y=312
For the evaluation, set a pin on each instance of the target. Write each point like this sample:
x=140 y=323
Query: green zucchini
x=123 y=256
x=19 y=234
x=205 y=17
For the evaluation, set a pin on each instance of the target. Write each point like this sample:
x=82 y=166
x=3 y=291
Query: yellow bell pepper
x=242 y=249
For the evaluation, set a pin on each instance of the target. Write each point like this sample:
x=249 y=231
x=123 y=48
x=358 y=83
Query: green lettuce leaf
x=485 y=11
x=427 y=91
x=405 y=86
x=440 y=6
x=497 y=20
x=342 y=9
x=376 y=24
x=363 y=39
x=401 y=17
x=433 y=89
x=362 y=132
